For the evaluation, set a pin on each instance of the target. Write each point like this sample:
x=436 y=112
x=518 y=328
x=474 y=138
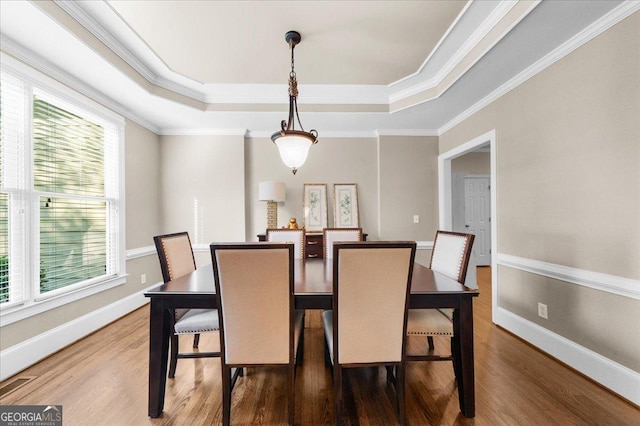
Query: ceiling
x=189 y=67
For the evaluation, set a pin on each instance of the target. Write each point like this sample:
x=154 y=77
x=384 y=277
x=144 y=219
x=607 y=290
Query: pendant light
x=293 y=144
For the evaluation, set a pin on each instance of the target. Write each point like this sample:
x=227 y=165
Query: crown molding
x=78 y=11
x=598 y=27
x=406 y=132
x=490 y=21
x=438 y=45
x=323 y=135
x=166 y=78
x=93 y=16
x=15 y=50
x=450 y=66
x=203 y=132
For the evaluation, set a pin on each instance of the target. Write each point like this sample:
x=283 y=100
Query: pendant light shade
x=293 y=144
x=293 y=150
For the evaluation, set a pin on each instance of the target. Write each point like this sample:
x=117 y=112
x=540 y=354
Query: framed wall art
x=345 y=205
x=315 y=206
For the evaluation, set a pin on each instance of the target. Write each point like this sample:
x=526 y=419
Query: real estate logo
x=30 y=415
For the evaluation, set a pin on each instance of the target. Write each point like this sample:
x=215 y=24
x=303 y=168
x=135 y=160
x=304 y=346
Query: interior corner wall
x=408 y=187
x=568 y=179
x=143 y=207
x=202 y=187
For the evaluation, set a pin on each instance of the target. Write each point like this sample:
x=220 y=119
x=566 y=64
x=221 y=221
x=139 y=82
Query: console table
x=314 y=247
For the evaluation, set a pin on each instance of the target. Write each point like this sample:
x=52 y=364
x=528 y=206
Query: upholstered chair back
x=450 y=254
x=371 y=290
x=295 y=236
x=332 y=235
x=176 y=255
x=254 y=289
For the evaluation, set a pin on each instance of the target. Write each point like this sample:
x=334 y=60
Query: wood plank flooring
x=102 y=380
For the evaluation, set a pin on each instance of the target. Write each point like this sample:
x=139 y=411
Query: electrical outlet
x=542 y=310
x=143 y=279
x=416 y=218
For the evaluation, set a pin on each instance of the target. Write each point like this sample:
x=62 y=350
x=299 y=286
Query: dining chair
x=176 y=259
x=295 y=236
x=332 y=235
x=367 y=325
x=450 y=256
x=254 y=285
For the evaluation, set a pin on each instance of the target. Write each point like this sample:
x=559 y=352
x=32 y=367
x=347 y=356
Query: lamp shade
x=293 y=150
x=271 y=191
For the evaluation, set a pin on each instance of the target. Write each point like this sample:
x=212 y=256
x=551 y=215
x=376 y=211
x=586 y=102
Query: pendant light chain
x=293 y=81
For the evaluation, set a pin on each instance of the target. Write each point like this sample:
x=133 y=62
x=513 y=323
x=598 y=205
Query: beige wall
x=202 y=186
x=477 y=163
x=568 y=179
x=405 y=166
x=408 y=187
x=330 y=161
x=142 y=152
x=589 y=327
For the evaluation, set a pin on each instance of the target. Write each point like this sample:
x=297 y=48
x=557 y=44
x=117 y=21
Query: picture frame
x=315 y=207
x=345 y=205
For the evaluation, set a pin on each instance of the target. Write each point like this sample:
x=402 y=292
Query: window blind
x=59 y=192
x=12 y=184
x=69 y=174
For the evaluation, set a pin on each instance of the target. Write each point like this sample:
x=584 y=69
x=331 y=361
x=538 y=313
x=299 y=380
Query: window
x=60 y=164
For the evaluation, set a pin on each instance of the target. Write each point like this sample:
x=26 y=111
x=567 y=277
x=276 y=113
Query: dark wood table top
x=313 y=277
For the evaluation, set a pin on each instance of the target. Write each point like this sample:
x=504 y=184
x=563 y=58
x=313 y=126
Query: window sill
x=18 y=313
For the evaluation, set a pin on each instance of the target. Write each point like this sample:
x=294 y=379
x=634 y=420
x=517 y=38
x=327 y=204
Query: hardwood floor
x=102 y=380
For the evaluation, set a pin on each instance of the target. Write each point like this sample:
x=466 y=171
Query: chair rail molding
x=140 y=252
x=424 y=245
x=620 y=286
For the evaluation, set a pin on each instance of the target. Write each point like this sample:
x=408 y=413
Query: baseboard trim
x=615 y=377
x=25 y=354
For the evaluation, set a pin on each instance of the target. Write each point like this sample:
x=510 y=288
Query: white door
x=477 y=202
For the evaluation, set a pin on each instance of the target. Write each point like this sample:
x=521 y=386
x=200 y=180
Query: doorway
x=446 y=179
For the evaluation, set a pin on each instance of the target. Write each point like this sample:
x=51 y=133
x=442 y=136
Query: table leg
x=158 y=354
x=463 y=347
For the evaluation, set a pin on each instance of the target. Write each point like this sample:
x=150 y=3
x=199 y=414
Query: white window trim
x=18 y=312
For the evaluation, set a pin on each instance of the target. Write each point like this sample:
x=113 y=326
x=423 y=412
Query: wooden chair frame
x=228 y=378
x=399 y=379
x=462 y=274
x=166 y=277
x=281 y=230
x=325 y=246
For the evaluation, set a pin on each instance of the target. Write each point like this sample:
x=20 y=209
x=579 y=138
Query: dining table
x=313 y=290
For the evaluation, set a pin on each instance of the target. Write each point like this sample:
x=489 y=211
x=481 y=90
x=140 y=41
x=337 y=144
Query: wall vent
x=15 y=385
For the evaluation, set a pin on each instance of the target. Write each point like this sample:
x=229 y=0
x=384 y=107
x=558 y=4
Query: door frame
x=445 y=214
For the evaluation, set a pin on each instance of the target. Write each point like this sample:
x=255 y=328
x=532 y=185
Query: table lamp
x=272 y=193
